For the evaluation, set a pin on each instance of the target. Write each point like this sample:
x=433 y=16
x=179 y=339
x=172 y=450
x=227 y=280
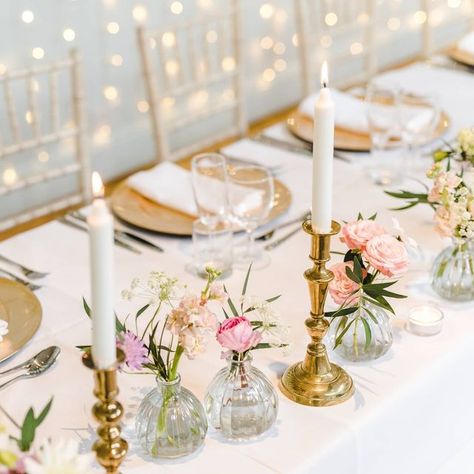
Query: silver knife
x=278 y=242
x=117 y=241
x=120 y=233
x=304 y=148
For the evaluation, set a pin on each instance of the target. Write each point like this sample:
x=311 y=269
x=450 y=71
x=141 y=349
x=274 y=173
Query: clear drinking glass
x=251 y=191
x=210 y=187
x=420 y=115
x=386 y=136
x=212 y=247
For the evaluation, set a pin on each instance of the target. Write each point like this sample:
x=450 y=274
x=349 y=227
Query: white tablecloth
x=412 y=410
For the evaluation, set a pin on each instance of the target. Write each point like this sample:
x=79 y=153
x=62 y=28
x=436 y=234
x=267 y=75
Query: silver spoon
x=35 y=366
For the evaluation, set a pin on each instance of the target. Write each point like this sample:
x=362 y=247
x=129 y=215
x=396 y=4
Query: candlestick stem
x=110 y=448
x=316 y=381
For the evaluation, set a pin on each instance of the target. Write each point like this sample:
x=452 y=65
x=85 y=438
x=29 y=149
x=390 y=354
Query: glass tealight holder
x=425 y=320
x=212 y=247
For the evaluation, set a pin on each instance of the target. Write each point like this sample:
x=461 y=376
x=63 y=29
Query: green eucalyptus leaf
x=340 y=312
x=368 y=333
x=342 y=334
x=87 y=308
x=231 y=304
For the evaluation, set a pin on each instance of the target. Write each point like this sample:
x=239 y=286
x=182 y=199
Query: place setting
x=248 y=227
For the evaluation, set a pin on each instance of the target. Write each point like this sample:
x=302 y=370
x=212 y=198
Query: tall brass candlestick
x=110 y=448
x=316 y=381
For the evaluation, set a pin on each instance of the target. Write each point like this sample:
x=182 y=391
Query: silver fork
x=12 y=276
x=28 y=272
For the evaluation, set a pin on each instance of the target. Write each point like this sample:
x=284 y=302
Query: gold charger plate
x=139 y=211
x=461 y=56
x=302 y=126
x=22 y=310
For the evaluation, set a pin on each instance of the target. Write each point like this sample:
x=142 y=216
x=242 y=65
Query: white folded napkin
x=171 y=185
x=350 y=112
x=466 y=44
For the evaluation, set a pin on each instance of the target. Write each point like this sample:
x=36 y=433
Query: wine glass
x=251 y=192
x=387 y=143
x=210 y=188
x=419 y=114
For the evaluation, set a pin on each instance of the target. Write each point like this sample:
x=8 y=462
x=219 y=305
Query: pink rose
x=342 y=286
x=356 y=234
x=387 y=254
x=237 y=334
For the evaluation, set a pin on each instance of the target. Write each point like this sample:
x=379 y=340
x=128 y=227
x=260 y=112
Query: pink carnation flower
x=136 y=354
x=342 y=286
x=387 y=254
x=356 y=234
x=237 y=334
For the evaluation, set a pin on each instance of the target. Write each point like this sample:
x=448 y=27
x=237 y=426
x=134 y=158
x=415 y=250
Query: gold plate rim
x=301 y=126
x=461 y=56
x=174 y=222
x=28 y=316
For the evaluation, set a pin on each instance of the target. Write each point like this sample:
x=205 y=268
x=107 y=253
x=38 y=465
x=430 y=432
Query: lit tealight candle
x=425 y=320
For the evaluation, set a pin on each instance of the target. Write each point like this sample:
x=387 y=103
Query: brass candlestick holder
x=110 y=448
x=316 y=381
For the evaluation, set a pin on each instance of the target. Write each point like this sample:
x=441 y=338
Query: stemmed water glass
x=210 y=187
x=419 y=115
x=383 y=116
x=251 y=193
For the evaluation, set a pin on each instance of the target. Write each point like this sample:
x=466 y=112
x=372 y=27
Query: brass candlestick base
x=316 y=381
x=110 y=448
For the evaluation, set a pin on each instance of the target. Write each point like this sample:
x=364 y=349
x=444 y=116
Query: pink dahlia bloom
x=136 y=354
x=237 y=334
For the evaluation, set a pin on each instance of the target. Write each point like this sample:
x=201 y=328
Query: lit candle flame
x=97 y=185
x=324 y=74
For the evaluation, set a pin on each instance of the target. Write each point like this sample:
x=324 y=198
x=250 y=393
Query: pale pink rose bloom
x=217 y=292
x=356 y=234
x=237 y=334
x=387 y=254
x=342 y=286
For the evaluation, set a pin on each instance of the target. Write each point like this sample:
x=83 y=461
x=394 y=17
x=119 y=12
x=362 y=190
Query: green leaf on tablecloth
x=84 y=348
x=272 y=299
x=87 y=308
x=29 y=426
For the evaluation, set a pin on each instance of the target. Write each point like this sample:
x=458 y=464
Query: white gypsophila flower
x=61 y=457
x=3 y=329
x=466 y=141
x=157 y=288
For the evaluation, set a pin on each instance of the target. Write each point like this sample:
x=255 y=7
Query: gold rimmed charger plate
x=22 y=311
x=139 y=211
x=461 y=56
x=302 y=126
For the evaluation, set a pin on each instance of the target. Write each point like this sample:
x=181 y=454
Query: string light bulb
x=111 y=93
x=27 y=16
x=266 y=42
x=356 y=48
x=37 y=53
x=267 y=10
x=116 y=60
x=43 y=156
x=139 y=13
x=113 y=27
x=69 y=34
x=10 y=176
x=143 y=106
x=211 y=36
x=279 y=48
x=168 y=39
x=228 y=63
x=420 y=17
x=330 y=19
x=268 y=75
x=176 y=8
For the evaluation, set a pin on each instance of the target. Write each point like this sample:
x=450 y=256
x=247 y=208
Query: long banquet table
x=412 y=410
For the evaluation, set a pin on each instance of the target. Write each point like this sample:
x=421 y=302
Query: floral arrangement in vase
x=360 y=327
x=240 y=401
x=452 y=198
x=19 y=456
x=173 y=322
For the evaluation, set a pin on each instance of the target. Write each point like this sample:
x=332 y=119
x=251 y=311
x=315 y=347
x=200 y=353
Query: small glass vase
x=452 y=275
x=171 y=421
x=365 y=334
x=240 y=401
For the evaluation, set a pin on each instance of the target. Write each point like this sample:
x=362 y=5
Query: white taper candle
x=323 y=151
x=101 y=234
